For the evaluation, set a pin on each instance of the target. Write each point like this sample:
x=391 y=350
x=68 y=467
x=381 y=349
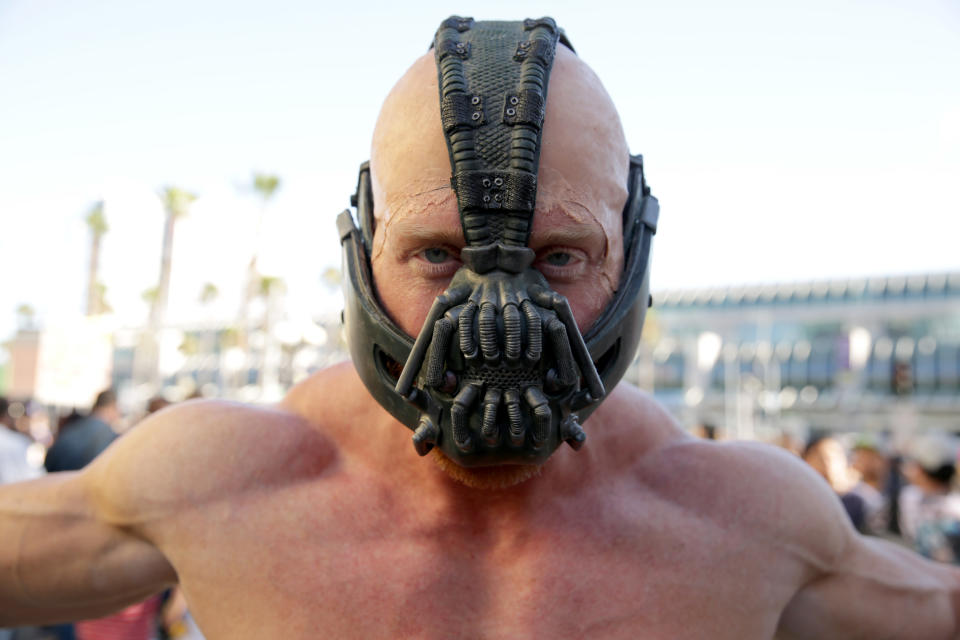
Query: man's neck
x=104 y=415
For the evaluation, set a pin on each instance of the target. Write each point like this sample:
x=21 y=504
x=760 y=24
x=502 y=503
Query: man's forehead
x=562 y=217
x=583 y=163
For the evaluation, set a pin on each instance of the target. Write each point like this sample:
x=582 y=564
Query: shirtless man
x=316 y=518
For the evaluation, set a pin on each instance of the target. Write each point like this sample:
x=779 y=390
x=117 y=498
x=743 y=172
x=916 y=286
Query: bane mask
x=500 y=373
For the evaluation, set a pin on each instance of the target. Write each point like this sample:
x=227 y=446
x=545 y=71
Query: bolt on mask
x=500 y=372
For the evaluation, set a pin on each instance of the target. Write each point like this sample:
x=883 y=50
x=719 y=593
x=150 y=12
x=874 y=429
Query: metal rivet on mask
x=449 y=382
x=486 y=182
x=497 y=197
x=486 y=198
x=475 y=100
x=552 y=383
x=511 y=111
x=498 y=181
x=476 y=115
x=514 y=99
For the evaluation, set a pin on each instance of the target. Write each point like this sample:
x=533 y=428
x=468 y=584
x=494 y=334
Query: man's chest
x=361 y=568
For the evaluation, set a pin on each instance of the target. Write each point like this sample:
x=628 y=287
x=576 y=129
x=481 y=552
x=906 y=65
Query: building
x=854 y=354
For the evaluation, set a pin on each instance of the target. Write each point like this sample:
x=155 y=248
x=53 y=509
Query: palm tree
x=102 y=305
x=268 y=288
x=265 y=185
x=208 y=294
x=97 y=224
x=176 y=202
x=332 y=278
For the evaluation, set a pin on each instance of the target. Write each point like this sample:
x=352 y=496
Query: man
x=82 y=440
x=317 y=518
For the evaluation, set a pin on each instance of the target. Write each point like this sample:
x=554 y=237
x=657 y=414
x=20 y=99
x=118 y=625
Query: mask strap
x=492 y=101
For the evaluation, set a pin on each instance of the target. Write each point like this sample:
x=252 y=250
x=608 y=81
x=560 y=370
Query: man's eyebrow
x=408 y=228
x=571 y=231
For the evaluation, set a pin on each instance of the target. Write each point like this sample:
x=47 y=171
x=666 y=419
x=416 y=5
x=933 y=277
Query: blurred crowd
x=30 y=448
x=902 y=488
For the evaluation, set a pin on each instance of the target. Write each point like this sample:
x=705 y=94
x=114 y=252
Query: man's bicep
x=61 y=560
x=877 y=589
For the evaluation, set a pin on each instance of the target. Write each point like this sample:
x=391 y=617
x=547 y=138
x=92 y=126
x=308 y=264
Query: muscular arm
x=826 y=580
x=60 y=558
x=877 y=590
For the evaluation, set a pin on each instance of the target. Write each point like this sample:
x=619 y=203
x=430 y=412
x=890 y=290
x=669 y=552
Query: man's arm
x=877 y=589
x=60 y=559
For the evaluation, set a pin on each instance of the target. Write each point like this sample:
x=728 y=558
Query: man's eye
x=558 y=258
x=436 y=255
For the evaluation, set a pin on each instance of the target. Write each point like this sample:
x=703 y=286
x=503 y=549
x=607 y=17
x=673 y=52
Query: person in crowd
x=929 y=508
x=14 y=446
x=156 y=403
x=14 y=467
x=828 y=458
x=872 y=468
x=82 y=440
x=426 y=489
x=707 y=431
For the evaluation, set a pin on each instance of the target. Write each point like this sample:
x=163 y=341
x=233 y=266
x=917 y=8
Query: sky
x=785 y=141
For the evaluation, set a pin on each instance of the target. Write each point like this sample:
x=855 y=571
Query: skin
x=828 y=458
x=871 y=465
x=317 y=518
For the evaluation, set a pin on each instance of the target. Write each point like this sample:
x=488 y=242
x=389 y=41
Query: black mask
x=500 y=373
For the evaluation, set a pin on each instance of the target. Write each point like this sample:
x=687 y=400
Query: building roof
x=896 y=288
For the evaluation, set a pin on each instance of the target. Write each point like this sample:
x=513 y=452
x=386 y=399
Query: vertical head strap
x=493 y=89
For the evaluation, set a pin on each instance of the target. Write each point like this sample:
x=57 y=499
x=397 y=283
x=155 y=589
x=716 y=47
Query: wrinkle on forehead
x=421 y=200
x=580 y=206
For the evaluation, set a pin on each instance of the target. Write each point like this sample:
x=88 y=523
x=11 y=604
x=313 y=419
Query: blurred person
x=895 y=485
x=873 y=470
x=316 y=517
x=789 y=442
x=177 y=623
x=827 y=457
x=14 y=448
x=14 y=467
x=67 y=419
x=81 y=440
x=156 y=403
x=706 y=430
x=929 y=508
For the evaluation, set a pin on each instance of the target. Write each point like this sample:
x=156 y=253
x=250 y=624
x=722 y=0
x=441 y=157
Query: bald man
x=315 y=518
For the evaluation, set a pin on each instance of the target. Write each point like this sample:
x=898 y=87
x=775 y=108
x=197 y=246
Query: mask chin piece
x=572 y=433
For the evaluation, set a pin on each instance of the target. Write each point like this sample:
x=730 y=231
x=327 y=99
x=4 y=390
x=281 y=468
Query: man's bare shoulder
x=754 y=490
x=332 y=397
x=201 y=452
